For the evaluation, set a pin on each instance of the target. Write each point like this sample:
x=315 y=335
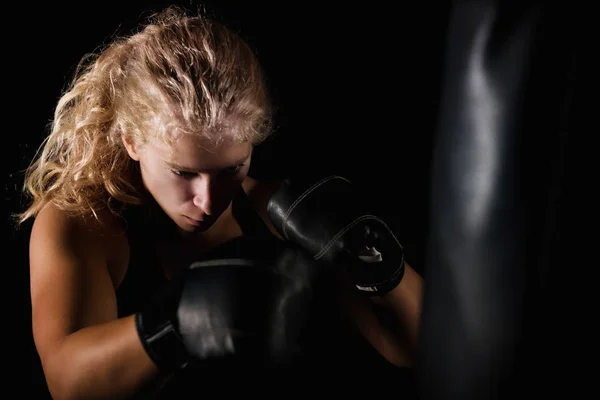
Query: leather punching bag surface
x=484 y=194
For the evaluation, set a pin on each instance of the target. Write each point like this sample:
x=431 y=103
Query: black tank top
x=145 y=274
x=337 y=353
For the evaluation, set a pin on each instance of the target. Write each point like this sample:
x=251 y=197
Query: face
x=193 y=182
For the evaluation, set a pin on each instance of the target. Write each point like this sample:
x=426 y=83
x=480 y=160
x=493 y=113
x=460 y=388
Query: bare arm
x=390 y=322
x=86 y=351
x=404 y=303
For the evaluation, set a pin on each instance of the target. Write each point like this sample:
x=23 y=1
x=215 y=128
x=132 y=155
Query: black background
x=356 y=87
x=356 y=90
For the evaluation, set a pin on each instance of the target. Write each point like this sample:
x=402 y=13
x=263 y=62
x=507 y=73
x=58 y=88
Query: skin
x=76 y=265
x=195 y=182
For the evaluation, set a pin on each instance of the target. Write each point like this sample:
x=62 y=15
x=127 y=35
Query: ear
x=130 y=147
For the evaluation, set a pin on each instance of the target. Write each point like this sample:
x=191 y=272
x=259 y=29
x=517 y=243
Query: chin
x=186 y=231
x=192 y=229
x=188 y=227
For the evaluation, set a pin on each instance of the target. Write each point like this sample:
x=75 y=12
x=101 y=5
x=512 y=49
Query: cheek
x=226 y=188
x=164 y=185
x=239 y=178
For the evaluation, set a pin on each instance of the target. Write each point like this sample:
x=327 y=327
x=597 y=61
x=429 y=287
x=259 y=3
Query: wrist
x=406 y=298
x=162 y=342
x=380 y=274
x=158 y=329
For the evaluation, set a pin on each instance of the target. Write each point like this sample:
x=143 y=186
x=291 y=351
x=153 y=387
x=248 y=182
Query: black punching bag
x=495 y=162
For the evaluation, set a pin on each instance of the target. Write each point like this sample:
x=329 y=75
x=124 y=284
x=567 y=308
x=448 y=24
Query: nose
x=204 y=193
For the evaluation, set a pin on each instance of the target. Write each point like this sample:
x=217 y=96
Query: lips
x=193 y=221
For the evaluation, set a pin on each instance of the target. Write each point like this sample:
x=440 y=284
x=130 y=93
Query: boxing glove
x=326 y=218
x=244 y=310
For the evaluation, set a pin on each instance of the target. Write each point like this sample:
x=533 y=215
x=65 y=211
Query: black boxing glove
x=327 y=219
x=230 y=310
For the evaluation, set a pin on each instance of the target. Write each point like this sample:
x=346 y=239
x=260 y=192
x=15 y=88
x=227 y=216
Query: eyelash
x=182 y=173
x=185 y=174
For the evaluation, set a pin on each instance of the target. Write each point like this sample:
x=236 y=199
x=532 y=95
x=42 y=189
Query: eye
x=234 y=170
x=183 y=174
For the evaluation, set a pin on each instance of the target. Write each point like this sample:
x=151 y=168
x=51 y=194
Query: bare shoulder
x=103 y=227
x=71 y=278
x=259 y=192
x=102 y=234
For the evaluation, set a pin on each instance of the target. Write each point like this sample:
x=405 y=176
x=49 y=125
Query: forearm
x=404 y=302
x=100 y=362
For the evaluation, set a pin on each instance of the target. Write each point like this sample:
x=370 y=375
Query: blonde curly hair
x=177 y=73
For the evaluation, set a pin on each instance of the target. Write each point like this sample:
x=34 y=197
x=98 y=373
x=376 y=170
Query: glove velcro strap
x=377 y=264
x=379 y=288
x=163 y=344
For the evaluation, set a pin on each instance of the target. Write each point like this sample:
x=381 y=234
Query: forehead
x=200 y=152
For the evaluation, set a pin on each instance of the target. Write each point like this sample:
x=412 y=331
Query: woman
x=145 y=172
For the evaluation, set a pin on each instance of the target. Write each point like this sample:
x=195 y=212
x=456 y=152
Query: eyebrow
x=196 y=170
